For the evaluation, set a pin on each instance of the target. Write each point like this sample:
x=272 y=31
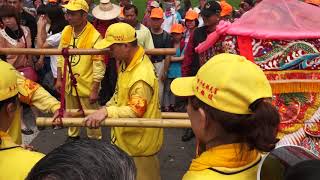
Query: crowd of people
x=232 y=122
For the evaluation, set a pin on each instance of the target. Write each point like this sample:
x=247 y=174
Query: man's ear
x=11 y=109
x=203 y=120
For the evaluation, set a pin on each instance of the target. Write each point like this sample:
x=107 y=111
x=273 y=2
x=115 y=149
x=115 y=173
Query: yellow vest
x=15 y=162
x=81 y=64
x=225 y=163
x=134 y=140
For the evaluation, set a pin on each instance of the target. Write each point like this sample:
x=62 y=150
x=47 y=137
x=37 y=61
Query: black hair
x=85 y=159
x=9 y=11
x=130 y=6
x=7 y=101
x=42 y=10
x=56 y=16
x=258 y=130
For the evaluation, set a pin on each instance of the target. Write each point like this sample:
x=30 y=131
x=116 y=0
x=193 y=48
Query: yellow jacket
x=36 y=96
x=225 y=163
x=86 y=68
x=15 y=162
x=136 y=95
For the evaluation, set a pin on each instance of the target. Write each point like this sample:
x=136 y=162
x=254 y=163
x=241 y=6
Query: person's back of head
x=85 y=159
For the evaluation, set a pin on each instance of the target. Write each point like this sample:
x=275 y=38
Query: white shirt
x=53 y=40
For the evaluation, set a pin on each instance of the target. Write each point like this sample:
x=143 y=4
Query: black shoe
x=71 y=139
x=27 y=131
x=188 y=135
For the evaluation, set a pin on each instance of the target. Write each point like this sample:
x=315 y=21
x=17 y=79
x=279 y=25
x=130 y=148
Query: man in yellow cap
x=34 y=95
x=88 y=69
x=136 y=96
x=15 y=162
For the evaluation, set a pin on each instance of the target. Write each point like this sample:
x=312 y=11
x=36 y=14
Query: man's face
x=76 y=18
x=8 y=110
x=119 y=51
x=210 y=20
x=15 y=3
x=156 y=23
x=130 y=17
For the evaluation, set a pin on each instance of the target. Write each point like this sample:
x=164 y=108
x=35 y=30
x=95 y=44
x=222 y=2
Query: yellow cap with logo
x=227 y=82
x=8 y=81
x=117 y=33
x=77 y=5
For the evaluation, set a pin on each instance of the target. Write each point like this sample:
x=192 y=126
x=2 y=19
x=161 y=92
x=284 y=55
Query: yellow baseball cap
x=227 y=82
x=77 y=5
x=117 y=33
x=8 y=81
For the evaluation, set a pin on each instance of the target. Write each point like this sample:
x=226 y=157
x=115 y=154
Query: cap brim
x=183 y=86
x=71 y=8
x=103 y=44
x=156 y=17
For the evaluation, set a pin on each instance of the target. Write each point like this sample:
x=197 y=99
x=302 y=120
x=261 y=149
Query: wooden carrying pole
x=33 y=51
x=121 y=122
x=164 y=115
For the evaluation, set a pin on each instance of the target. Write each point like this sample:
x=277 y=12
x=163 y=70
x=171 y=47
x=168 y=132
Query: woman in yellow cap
x=231 y=117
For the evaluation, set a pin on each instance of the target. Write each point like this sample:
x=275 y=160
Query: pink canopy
x=272 y=19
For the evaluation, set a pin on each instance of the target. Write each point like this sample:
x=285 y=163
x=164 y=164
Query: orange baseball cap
x=191 y=15
x=226 y=8
x=156 y=13
x=177 y=28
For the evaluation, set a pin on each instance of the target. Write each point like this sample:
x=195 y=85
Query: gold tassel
x=294 y=87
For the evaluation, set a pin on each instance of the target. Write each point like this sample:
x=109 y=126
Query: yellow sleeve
x=33 y=94
x=44 y=101
x=99 y=69
x=140 y=95
x=149 y=41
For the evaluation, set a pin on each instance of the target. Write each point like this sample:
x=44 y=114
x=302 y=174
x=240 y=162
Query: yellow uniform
x=136 y=95
x=15 y=162
x=225 y=163
x=86 y=68
x=34 y=95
